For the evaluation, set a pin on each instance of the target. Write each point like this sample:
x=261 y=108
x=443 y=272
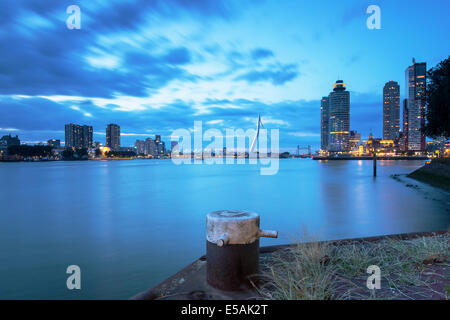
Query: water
x=131 y=224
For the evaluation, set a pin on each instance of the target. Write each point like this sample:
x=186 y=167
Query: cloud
x=45 y=118
x=277 y=74
x=261 y=53
x=304 y=134
x=45 y=58
x=354 y=12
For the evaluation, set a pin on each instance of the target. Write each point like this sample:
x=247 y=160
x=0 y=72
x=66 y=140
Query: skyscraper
x=404 y=146
x=77 y=136
x=147 y=147
x=324 y=126
x=391 y=110
x=113 y=136
x=415 y=76
x=339 y=118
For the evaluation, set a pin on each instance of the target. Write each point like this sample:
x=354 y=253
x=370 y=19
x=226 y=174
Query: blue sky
x=156 y=66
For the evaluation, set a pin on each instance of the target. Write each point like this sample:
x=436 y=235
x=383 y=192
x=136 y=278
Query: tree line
x=30 y=151
x=438 y=101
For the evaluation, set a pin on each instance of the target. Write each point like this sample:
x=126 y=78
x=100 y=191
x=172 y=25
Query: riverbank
x=371 y=158
x=413 y=267
x=435 y=173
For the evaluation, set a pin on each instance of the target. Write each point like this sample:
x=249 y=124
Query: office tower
x=339 y=118
x=404 y=145
x=77 y=136
x=324 y=128
x=151 y=148
x=161 y=148
x=113 y=136
x=157 y=138
x=391 y=110
x=140 y=146
x=88 y=140
x=148 y=147
x=415 y=76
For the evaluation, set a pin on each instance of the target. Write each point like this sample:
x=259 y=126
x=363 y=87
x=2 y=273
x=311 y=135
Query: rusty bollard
x=232 y=249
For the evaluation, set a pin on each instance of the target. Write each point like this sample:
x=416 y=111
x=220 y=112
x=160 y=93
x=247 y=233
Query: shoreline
x=436 y=173
x=371 y=158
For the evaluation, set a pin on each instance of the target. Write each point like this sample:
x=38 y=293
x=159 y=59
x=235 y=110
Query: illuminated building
x=324 y=125
x=77 y=136
x=113 y=137
x=354 y=140
x=140 y=146
x=161 y=147
x=391 y=110
x=150 y=147
x=415 y=76
x=404 y=142
x=339 y=118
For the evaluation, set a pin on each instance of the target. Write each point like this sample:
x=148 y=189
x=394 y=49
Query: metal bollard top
x=233 y=214
x=234 y=227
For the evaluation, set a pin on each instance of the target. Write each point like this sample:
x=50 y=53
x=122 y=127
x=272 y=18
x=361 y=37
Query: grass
x=435 y=174
x=435 y=180
x=311 y=270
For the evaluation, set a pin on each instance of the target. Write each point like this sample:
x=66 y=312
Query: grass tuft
x=312 y=270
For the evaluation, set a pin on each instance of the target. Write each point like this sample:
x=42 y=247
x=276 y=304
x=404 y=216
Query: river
x=129 y=225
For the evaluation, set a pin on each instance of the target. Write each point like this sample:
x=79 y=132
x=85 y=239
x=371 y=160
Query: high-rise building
x=113 y=136
x=147 y=147
x=140 y=146
x=391 y=110
x=404 y=143
x=88 y=139
x=415 y=76
x=339 y=118
x=157 y=138
x=77 y=136
x=324 y=126
x=161 y=146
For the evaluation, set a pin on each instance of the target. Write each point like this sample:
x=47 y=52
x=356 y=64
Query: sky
x=156 y=66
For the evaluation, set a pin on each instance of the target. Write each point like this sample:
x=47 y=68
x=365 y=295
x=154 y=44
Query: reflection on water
x=131 y=224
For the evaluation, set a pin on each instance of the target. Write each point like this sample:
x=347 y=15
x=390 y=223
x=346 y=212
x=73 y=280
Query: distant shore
x=435 y=173
x=371 y=158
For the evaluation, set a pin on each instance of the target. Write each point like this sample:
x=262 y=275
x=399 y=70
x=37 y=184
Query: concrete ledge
x=190 y=282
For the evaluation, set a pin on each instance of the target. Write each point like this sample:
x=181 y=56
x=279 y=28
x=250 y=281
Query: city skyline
x=334 y=115
x=158 y=67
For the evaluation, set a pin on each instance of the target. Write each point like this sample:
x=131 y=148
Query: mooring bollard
x=232 y=249
x=374 y=164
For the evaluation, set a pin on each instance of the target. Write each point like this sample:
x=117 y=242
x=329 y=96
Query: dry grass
x=314 y=270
